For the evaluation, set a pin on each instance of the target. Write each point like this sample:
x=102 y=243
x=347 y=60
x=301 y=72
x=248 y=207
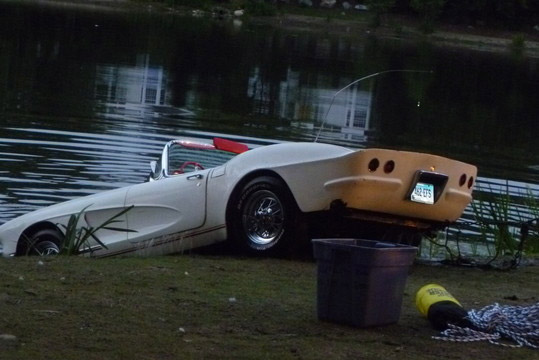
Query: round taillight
x=470 y=182
x=389 y=166
x=373 y=165
x=462 y=179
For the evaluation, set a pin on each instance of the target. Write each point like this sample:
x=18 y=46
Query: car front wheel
x=266 y=217
x=43 y=243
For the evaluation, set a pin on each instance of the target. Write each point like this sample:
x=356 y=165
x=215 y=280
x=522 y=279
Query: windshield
x=183 y=159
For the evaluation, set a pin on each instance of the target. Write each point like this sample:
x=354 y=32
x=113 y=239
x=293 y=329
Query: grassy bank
x=195 y=306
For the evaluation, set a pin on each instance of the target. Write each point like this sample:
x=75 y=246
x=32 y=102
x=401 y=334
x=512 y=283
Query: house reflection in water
x=351 y=111
x=142 y=91
x=306 y=107
x=138 y=90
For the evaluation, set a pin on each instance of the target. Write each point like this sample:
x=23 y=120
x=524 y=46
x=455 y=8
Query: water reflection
x=307 y=107
x=88 y=99
x=137 y=91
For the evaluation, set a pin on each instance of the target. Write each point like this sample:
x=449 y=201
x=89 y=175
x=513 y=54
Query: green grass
x=194 y=306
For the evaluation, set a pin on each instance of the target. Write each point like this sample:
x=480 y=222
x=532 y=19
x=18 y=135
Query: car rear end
x=408 y=186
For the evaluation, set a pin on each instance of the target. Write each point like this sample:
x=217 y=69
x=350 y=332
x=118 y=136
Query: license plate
x=423 y=193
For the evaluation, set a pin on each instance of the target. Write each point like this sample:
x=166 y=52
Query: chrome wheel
x=44 y=242
x=45 y=248
x=264 y=220
x=263 y=217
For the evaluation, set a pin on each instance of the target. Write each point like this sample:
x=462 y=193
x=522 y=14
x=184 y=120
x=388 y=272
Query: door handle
x=195 y=177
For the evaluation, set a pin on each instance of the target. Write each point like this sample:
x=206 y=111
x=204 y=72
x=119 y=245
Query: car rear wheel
x=43 y=242
x=266 y=217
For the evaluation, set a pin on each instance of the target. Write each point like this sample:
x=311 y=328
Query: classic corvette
x=264 y=199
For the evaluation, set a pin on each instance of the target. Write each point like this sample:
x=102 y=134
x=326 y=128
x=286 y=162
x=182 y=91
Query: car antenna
x=355 y=82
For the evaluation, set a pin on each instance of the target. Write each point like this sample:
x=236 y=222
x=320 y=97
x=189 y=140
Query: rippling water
x=47 y=166
x=87 y=99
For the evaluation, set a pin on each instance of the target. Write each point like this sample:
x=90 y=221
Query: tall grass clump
x=78 y=239
x=492 y=214
x=502 y=230
x=532 y=226
x=502 y=220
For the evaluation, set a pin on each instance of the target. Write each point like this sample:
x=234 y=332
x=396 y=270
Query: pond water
x=88 y=98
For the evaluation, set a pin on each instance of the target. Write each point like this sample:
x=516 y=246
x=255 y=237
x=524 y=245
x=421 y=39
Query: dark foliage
x=511 y=14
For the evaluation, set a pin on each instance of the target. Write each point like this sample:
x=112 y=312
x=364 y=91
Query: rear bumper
x=387 y=190
x=421 y=225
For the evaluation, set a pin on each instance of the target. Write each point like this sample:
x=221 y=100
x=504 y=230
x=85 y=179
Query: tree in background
x=506 y=13
x=429 y=11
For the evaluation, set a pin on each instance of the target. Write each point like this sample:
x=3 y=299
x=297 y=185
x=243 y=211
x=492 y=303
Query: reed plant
x=505 y=226
x=532 y=225
x=492 y=213
x=78 y=239
x=504 y=222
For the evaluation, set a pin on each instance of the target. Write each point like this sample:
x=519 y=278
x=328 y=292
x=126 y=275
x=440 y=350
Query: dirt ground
x=214 y=307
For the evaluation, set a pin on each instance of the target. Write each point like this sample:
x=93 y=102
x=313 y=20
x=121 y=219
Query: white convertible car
x=265 y=200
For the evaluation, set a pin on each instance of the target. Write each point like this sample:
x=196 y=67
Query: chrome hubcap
x=46 y=248
x=263 y=218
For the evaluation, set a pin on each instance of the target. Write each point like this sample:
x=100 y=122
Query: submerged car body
x=260 y=198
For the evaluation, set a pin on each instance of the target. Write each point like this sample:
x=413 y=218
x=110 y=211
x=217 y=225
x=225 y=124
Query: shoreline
x=490 y=40
x=441 y=37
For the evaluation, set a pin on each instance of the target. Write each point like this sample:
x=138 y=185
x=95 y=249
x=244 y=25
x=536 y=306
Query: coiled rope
x=496 y=323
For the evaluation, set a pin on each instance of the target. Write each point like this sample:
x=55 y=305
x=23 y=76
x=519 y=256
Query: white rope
x=495 y=323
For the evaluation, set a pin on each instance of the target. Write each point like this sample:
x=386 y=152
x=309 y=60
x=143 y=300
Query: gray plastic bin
x=361 y=282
